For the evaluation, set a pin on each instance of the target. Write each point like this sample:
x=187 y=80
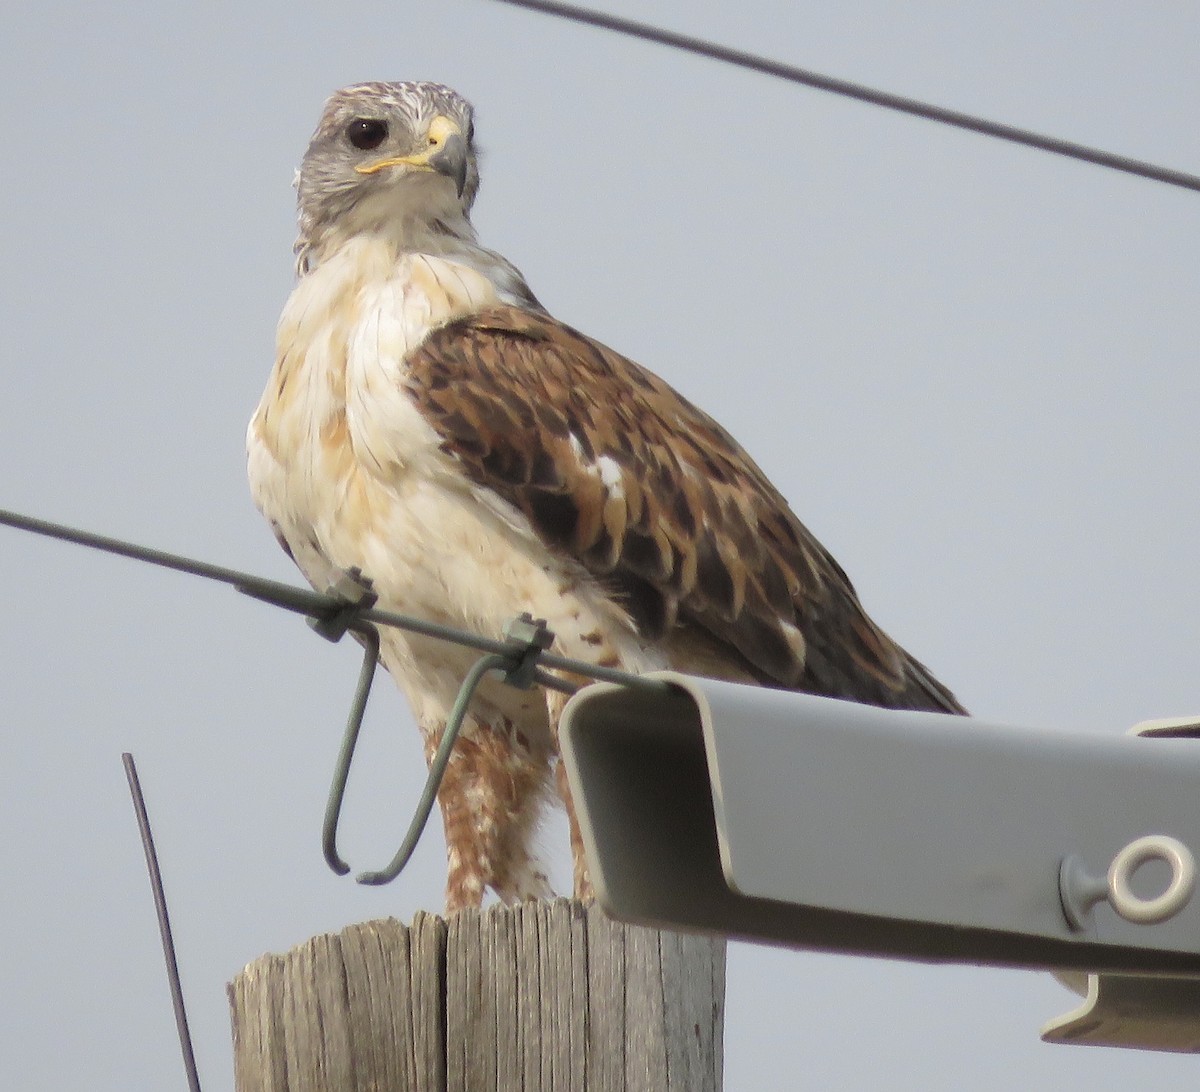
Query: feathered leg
x=490 y=798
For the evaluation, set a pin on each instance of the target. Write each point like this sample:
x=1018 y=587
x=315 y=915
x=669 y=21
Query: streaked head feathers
x=386 y=153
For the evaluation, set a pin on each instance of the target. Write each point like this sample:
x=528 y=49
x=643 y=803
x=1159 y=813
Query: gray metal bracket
x=791 y=819
x=1132 y=1011
x=1142 y=1012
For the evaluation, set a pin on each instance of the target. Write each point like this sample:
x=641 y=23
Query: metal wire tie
x=526 y=637
x=350 y=607
x=356 y=593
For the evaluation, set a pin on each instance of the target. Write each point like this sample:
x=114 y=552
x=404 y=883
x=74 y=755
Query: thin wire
x=305 y=601
x=526 y=638
x=300 y=600
x=521 y=655
x=437 y=768
x=164 y=922
x=858 y=91
x=341 y=774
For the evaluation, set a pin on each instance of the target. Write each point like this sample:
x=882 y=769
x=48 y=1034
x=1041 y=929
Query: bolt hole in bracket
x=1134 y=1011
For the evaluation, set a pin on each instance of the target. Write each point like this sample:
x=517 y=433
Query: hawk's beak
x=451 y=160
x=446 y=154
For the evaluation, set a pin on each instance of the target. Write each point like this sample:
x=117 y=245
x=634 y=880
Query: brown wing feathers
x=615 y=468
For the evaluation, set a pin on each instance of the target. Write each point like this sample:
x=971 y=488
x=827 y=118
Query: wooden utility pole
x=539 y=997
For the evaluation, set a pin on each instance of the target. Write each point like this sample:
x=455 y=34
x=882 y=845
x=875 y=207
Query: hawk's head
x=388 y=155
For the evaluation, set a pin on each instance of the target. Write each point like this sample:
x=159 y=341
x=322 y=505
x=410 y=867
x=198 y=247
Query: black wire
x=314 y=604
x=858 y=91
x=164 y=923
x=285 y=595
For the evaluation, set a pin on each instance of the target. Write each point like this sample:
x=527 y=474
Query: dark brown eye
x=366 y=133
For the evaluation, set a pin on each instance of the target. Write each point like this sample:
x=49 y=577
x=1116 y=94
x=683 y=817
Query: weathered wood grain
x=540 y=997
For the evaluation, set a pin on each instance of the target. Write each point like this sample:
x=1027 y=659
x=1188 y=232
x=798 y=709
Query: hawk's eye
x=366 y=133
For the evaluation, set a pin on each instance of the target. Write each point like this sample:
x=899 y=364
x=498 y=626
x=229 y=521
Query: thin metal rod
x=300 y=599
x=342 y=615
x=306 y=601
x=886 y=99
x=437 y=768
x=595 y=671
x=553 y=682
x=341 y=773
x=164 y=922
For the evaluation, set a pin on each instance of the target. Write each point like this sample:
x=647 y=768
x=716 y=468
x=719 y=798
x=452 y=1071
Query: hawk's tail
x=923 y=691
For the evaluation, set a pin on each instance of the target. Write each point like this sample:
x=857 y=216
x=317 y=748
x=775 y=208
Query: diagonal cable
x=886 y=99
x=522 y=656
x=315 y=604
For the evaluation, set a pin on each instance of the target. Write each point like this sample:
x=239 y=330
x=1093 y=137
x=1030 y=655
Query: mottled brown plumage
x=684 y=527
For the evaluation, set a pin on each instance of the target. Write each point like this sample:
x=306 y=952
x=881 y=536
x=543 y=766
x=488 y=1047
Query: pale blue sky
x=971 y=367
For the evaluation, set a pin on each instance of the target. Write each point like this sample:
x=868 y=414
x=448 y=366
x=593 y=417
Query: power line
x=886 y=99
x=349 y=606
x=317 y=605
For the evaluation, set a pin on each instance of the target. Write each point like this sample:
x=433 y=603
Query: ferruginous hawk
x=429 y=423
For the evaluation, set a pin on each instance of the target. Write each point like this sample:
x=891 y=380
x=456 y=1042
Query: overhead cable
x=521 y=659
x=859 y=91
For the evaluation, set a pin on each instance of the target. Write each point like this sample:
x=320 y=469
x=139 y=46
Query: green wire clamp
x=356 y=593
x=525 y=639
